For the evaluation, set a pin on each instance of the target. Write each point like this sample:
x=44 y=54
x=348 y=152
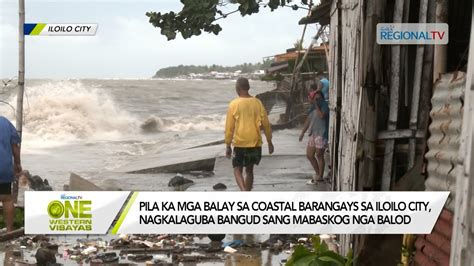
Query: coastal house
x=284 y=63
x=401 y=119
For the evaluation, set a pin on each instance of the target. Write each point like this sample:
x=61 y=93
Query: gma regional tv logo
x=412 y=33
x=70 y=213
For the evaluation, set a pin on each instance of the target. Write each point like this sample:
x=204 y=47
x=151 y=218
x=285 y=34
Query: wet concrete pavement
x=286 y=170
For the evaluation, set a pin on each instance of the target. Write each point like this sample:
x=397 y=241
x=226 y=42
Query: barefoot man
x=316 y=123
x=10 y=165
x=245 y=118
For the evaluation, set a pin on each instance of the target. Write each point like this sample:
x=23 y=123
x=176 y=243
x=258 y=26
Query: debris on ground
x=233 y=244
x=278 y=243
x=216 y=237
x=34 y=182
x=144 y=249
x=229 y=249
x=179 y=180
x=219 y=186
x=302 y=240
x=45 y=256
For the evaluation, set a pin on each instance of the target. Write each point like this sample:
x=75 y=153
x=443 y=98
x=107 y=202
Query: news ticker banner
x=69 y=212
x=61 y=29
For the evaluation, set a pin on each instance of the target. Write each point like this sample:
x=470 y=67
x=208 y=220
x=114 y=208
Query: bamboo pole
x=427 y=77
x=294 y=78
x=369 y=76
x=415 y=100
x=394 y=100
x=407 y=248
x=310 y=47
x=404 y=54
x=21 y=68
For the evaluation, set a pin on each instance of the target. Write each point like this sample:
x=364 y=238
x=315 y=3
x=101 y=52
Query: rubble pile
x=33 y=182
x=141 y=249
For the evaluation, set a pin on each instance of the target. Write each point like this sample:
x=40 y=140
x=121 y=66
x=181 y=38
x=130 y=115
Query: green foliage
x=320 y=255
x=175 y=71
x=197 y=16
x=272 y=77
x=18 y=221
x=298 y=45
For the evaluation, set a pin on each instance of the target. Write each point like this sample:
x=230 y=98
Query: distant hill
x=185 y=70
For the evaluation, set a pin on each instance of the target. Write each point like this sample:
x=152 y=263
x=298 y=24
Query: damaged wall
x=445 y=131
x=443 y=144
x=371 y=84
x=345 y=95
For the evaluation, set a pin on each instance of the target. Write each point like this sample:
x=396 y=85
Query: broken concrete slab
x=77 y=183
x=178 y=161
x=214 y=143
x=203 y=157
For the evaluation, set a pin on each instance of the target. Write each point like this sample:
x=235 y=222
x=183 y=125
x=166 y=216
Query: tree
x=298 y=45
x=197 y=16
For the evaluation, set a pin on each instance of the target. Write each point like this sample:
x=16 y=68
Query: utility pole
x=21 y=68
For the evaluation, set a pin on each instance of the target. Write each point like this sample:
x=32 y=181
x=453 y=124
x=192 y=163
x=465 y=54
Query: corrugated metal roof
x=445 y=131
x=277 y=67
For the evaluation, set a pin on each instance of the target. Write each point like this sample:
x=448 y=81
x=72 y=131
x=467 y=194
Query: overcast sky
x=127 y=46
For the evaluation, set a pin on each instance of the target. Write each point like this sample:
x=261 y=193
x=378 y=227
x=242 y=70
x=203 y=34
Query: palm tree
x=298 y=45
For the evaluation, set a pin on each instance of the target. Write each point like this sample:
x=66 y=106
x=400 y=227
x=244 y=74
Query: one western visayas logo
x=70 y=213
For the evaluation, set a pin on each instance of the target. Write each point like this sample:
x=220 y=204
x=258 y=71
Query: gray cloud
x=126 y=45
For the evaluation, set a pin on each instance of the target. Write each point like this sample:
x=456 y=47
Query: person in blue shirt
x=10 y=166
x=323 y=85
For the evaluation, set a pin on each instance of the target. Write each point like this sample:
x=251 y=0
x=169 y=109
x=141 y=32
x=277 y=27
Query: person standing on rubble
x=10 y=166
x=246 y=116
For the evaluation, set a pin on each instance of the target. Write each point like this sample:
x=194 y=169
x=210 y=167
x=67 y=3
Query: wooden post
x=440 y=51
x=462 y=243
x=404 y=55
x=427 y=80
x=415 y=100
x=294 y=77
x=21 y=68
x=368 y=125
x=336 y=184
x=394 y=99
x=310 y=47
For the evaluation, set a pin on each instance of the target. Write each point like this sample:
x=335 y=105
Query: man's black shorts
x=246 y=156
x=5 y=188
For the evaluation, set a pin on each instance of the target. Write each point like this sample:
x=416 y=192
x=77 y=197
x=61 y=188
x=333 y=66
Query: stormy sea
x=91 y=127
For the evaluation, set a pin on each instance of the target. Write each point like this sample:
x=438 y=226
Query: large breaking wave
x=69 y=110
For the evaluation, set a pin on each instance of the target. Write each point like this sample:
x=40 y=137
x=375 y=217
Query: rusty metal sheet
x=445 y=134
